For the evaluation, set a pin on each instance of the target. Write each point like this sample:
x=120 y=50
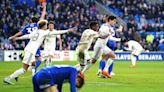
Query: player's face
x=96 y=27
x=126 y=44
x=112 y=22
x=51 y=27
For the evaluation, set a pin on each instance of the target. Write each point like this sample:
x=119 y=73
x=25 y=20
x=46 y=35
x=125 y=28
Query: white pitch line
x=103 y=83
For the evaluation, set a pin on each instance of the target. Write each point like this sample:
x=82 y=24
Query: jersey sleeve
x=58 y=32
x=72 y=81
x=24 y=30
x=104 y=32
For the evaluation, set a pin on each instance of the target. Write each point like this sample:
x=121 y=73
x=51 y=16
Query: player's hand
x=43 y=5
x=119 y=39
x=10 y=38
x=15 y=39
x=71 y=30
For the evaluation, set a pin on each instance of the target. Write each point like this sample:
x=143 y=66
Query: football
x=41 y=1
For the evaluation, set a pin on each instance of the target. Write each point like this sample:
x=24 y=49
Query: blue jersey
x=27 y=30
x=112 y=44
x=55 y=75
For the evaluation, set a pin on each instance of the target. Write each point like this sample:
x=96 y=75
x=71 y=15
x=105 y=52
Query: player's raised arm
x=16 y=35
x=44 y=11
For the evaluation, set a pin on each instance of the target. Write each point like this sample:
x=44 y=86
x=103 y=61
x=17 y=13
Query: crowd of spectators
x=140 y=17
x=15 y=14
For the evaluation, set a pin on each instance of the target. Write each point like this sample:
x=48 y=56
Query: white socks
x=87 y=67
x=108 y=63
x=17 y=73
x=133 y=59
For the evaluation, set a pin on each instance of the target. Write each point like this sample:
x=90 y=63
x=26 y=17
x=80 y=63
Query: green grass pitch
x=147 y=77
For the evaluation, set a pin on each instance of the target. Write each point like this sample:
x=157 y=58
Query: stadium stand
x=142 y=18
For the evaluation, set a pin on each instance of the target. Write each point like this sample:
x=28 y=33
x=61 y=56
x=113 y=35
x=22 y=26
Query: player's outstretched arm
x=16 y=35
x=114 y=39
x=61 y=31
x=44 y=11
x=23 y=37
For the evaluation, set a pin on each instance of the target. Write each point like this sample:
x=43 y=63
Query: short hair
x=123 y=40
x=81 y=81
x=93 y=23
x=105 y=17
x=51 y=22
x=42 y=23
x=111 y=18
x=34 y=19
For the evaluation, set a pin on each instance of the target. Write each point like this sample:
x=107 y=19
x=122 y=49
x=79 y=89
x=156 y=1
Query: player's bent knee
x=51 y=89
x=112 y=55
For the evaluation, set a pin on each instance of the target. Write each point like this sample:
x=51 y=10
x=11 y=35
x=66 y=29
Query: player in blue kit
x=29 y=28
x=51 y=79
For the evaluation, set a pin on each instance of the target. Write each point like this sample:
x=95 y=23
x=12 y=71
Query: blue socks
x=110 y=68
x=102 y=64
x=38 y=62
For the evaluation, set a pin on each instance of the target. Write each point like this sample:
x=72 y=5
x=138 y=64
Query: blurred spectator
x=149 y=38
x=140 y=16
x=161 y=46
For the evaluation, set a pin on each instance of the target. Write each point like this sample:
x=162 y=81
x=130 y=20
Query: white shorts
x=28 y=57
x=98 y=51
x=136 y=52
x=48 y=53
x=82 y=56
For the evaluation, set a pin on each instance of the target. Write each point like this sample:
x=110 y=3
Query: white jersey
x=87 y=39
x=134 y=45
x=104 y=30
x=36 y=39
x=50 y=41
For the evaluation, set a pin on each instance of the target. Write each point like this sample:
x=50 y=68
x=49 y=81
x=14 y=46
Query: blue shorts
x=42 y=80
x=38 y=53
x=111 y=44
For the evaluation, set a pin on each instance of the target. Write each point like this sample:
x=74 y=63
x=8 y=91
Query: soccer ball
x=41 y=1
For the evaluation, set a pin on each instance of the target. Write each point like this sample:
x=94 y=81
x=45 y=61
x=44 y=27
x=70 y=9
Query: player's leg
x=112 y=45
x=97 y=54
x=80 y=58
x=38 y=59
x=101 y=66
x=134 y=55
x=49 y=60
x=108 y=53
x=26 y=62
x=87 y=60
x=51 y=89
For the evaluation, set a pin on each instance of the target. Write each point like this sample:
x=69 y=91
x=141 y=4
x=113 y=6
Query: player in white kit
x=36 y=39
x=100 y=47
x=50 y=44
x=111 y=45
x=85 y=42
x=135 y=49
